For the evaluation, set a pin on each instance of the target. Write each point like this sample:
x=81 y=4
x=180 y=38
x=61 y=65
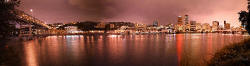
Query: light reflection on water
x=31 y=56
x=113 y=50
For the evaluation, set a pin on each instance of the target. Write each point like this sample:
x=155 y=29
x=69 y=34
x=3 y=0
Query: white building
x=72 y=29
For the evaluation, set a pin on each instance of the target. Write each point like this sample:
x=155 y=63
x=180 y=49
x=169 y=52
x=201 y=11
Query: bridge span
x=30 y=26
x=28 y=19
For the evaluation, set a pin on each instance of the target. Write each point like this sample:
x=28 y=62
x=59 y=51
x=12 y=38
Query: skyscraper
x=192 y=25
x=186 y=19
x=226 y=25
x=180 y=20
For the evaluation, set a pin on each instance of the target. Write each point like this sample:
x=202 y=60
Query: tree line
x=8 y=18
x=245 y=18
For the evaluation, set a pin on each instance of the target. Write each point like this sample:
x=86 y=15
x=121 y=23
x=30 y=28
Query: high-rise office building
x=186 y=19
x=180 y=20
x=226 y=25
x=192 y=25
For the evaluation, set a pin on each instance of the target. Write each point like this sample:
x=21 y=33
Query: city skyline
x=70 y=10
x=124 y=32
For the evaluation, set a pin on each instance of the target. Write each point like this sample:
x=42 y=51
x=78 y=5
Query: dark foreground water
x=116 y=50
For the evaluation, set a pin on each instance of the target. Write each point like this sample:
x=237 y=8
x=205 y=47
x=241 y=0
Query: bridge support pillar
x=30 y=29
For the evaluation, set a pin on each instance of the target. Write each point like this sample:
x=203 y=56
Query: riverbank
x=233 y=55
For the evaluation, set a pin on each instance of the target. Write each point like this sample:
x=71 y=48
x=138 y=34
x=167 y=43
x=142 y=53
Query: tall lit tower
x=155 y=23
x=180 y=20
x=186 y=19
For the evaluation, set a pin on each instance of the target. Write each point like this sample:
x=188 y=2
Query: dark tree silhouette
x=7 y=16
x=245 y=18
x=87 y=25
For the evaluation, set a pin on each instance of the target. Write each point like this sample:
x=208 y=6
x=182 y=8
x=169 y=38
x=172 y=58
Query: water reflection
x=179 y=39
x=31 y=54
x=116 y=50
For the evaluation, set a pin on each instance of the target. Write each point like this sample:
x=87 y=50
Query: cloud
x=95 y=8
x=164 y=10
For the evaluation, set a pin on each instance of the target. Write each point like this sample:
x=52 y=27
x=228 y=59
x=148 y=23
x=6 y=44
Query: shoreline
x=32 y=37
x=237 y=54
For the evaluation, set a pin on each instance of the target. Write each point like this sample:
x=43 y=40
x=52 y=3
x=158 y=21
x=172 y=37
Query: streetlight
x=31 y=10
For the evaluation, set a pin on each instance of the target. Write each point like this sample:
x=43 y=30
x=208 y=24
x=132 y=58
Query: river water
x=116 y=50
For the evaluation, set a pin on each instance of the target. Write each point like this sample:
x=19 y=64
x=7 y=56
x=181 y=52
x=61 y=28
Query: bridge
x=28 y=19
x=30 y=25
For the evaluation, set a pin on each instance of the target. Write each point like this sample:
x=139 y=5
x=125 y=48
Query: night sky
x=138 y=11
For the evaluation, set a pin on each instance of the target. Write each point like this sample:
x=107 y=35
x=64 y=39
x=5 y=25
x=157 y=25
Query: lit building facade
x=198 y=27
x=180 y=20
x=206 y=27
x=112 y=26
x=226 y=25
x=100 y=25
x=215 y=26
x=72 y=29
x=192 y=25
x=186 y=19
